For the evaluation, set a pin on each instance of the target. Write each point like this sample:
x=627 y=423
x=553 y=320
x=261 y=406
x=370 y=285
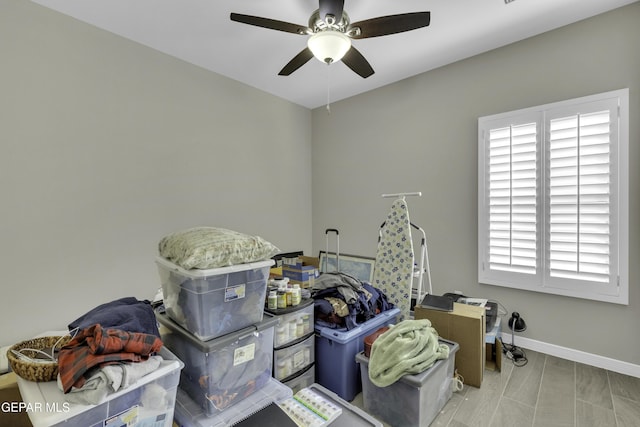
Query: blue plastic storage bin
x=336 y=349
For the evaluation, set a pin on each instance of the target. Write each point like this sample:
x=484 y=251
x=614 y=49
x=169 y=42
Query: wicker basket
x=36 y=371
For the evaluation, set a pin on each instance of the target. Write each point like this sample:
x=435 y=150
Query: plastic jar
x=296 y=295
x=272 y=301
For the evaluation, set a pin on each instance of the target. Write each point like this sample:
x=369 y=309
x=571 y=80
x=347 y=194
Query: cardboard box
x=310 y=260
x=10 y=394
x=275 y=272
x=493 y=361
x=493 y=348
x=302 y=270
x=464 y=325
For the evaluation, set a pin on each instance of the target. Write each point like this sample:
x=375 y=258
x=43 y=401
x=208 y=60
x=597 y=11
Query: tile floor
x=546 y=392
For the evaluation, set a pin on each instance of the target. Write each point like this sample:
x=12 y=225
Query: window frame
x=615 y=291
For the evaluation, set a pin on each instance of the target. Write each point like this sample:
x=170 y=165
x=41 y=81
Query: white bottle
x=296 y=296
x=272 y=302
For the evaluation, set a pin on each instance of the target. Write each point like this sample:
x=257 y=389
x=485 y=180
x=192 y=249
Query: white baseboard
x=607 y=363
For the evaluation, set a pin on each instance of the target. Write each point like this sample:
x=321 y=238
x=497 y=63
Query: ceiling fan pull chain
x=328 y=89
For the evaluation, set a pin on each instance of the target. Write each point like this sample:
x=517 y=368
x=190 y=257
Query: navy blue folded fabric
x=368 y=301
x=127 y=314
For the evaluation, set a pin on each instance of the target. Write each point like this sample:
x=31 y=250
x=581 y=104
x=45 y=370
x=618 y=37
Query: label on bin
x=244 y=354
x=298 y=360
x=233 y=293
x=125 y=418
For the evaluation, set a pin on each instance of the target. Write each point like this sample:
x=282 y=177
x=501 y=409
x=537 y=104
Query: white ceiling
x=200 y=32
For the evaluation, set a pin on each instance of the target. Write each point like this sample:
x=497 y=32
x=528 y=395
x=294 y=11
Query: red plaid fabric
x=96 y=346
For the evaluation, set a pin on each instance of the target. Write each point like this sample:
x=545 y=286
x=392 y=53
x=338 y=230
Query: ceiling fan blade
x=331 y=7
x=271 y=24
x=354 y=60
x=391 y=24
x=298 y=61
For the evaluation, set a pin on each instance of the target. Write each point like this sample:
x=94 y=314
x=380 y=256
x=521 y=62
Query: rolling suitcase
x=326 y=259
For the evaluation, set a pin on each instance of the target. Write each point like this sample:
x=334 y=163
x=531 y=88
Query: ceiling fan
x=331 y=31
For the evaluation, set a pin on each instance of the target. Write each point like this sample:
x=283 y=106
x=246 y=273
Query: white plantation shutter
x=553 y=198
x=579 y=196
x=512 y=198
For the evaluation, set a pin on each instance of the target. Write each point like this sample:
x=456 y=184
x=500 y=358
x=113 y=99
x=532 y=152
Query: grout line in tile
x=613 y=401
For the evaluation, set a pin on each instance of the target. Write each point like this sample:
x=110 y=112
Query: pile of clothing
x=342 y=301
x=114 y=345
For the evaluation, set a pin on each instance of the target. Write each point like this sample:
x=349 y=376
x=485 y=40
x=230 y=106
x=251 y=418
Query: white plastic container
x=414 y=400
x=289 y=361
x=149 y=402
x=301 y=316
x=211 y=303
x=302 y=379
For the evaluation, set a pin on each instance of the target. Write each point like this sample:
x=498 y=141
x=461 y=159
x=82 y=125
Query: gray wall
x=107 y=146
x=420 y=134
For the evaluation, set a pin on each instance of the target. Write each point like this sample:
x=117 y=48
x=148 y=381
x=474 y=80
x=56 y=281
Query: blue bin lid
x=344 y=336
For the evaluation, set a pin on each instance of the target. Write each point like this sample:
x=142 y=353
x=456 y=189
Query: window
x=553 y=198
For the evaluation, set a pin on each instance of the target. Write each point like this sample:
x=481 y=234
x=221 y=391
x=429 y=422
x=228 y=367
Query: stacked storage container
x=215 y=324
x=211 y=303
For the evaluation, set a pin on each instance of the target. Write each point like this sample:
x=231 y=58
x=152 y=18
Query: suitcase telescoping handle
x=326 y=259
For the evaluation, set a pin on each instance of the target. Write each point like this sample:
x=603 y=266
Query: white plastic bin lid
x=198 y=274
x=343 y=336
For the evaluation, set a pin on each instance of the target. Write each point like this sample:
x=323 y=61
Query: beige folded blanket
x=410 y=347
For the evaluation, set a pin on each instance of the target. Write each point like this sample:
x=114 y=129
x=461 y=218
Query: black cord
x=516 y=355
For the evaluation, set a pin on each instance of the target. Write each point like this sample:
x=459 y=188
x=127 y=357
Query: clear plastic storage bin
x=149 y=402
x=190 y=414
x=302 y=379
x=293 y=322
x=413 y=400
x=211 y=303
x=222 y=372
x=288 y=361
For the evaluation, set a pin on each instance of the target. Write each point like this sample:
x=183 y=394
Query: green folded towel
x=410 y=347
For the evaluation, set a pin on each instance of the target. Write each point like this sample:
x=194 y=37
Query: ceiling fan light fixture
x=329 y=45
